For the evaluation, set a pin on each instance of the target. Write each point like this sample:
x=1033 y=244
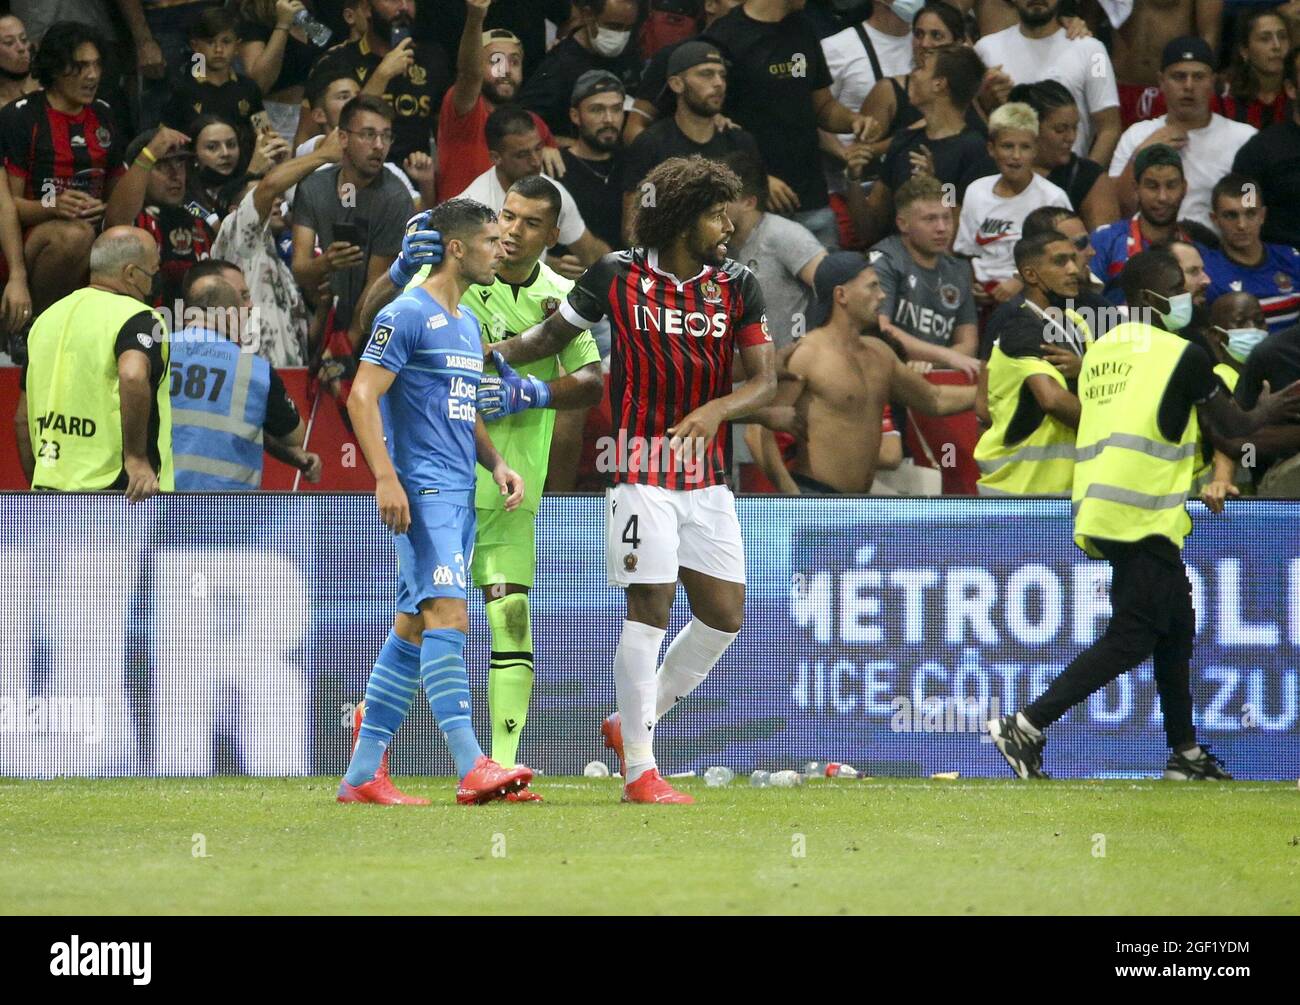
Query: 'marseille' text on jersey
x=429 y=412
x=672 y=348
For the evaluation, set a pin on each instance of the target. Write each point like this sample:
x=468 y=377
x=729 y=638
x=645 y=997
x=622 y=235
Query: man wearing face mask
x=95 y=402
x=1245 y=263
x=1266 y=361
x=602 y=41
x=1031 y=380
x=1142 y=388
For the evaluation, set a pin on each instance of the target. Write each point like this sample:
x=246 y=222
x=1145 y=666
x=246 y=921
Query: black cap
x=595 y=82
x=140 y=142
x=1156 y=155
x=693 y=53
x=836 y=269
x=1188 y=49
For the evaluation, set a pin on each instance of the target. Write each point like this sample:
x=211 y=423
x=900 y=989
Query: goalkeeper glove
x=506 y=392
x=420 y=247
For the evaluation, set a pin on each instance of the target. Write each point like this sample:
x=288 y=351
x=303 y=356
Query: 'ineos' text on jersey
x=672 y=349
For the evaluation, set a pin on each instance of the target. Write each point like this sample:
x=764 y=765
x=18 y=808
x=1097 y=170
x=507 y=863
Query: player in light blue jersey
x=413 y=409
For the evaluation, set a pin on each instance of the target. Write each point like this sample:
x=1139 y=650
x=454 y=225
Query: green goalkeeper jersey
x=524 y=439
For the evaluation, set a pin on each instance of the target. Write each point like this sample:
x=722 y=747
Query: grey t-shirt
x=926 y=303
x=775 y=251
x=380 y=213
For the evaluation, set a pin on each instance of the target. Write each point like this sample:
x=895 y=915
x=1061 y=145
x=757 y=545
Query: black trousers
x=1151 y=600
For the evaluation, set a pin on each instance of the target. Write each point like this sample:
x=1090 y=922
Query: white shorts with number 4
x=651 y=532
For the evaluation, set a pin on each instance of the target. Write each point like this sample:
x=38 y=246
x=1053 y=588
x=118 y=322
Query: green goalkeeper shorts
x=505 y=548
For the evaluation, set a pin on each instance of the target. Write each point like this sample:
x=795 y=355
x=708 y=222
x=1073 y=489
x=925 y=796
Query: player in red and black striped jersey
x=671 y=353
x=680 y=309
x=62 y=152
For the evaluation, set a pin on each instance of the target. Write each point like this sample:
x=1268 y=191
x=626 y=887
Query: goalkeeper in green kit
x=526 y=290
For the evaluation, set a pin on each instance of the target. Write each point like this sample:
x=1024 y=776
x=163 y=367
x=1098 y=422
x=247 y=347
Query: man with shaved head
x=95 y=413
x=228 y=404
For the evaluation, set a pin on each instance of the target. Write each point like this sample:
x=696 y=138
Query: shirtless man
x=839 y=382
x=1139 y=41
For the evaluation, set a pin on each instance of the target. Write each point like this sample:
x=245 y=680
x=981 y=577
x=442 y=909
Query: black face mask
x=211 y=177
x=155 y=286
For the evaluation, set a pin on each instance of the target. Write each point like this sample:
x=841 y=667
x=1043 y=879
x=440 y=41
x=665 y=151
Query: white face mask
x=610 y=43
x=906 y=9
x=1242 y=340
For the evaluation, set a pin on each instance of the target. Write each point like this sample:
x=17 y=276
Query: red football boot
x=487 y=781
x=523 y=795
x=358 y=716
x=650 y=788
x=612 y=730
x=379 y=789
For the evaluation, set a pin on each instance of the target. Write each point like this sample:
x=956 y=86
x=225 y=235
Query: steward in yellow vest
x=1032 y=409
x=98 y=413
x=1140 y=391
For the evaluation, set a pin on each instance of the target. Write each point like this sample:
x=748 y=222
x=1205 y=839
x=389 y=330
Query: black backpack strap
x=871 y=49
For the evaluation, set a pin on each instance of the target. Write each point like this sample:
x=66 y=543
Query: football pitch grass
x=889 y=846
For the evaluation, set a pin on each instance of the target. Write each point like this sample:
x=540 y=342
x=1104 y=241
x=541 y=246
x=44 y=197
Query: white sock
x=691 y=655
x=634 y=680
x=1028 y=726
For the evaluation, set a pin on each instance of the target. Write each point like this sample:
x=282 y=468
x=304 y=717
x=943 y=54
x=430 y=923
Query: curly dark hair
x=682 y=188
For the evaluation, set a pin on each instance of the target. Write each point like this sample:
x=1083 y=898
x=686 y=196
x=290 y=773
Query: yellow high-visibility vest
x=1129 y=481
x=74 y=406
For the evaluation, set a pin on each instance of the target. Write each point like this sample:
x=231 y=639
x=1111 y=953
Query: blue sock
x=442 y=668
x=392 y=685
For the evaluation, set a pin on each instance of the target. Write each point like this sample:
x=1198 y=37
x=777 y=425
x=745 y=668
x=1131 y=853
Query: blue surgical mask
x=1242 y=340
x=906 y=9
x=1180 y=310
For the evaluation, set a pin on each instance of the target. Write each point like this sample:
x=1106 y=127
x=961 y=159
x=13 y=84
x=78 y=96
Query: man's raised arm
x=539 y=341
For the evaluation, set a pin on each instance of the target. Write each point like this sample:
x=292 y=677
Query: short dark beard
x=706 y=253
x=10 y=75
x=1158 y=223
x=594 y=141
x=383 y=27
x=1033 y=20
x=696 y=108
x=491 y=94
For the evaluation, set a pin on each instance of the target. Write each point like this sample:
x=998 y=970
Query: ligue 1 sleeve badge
x=711 y=292
x=629 y=562
x=549 y=306
x=1283 y=282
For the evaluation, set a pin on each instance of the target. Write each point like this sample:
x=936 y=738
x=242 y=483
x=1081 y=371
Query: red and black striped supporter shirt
x=672 y=347
x=52 y=151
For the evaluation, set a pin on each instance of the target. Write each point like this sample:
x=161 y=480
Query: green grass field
x=283 y=846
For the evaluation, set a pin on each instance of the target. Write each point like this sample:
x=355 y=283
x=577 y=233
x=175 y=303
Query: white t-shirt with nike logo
x=990 y=224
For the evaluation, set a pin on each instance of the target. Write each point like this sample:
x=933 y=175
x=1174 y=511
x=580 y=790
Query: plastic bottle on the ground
x=785 y=779
x=715 y=777
x=813 y=769
x=596 y=769
x=835 y=770
x=760 y=779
